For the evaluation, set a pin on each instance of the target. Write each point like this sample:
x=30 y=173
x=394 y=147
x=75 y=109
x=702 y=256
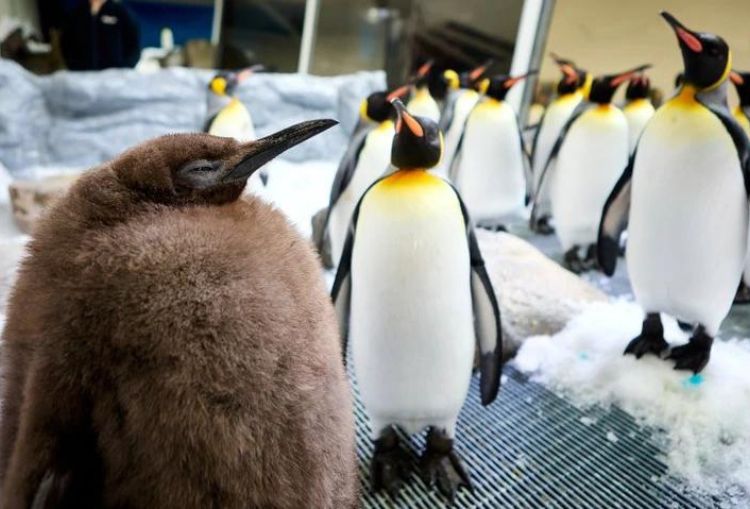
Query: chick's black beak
x=687 y=37
x=259 y=152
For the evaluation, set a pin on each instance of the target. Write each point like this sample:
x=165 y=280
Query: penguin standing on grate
x=414 y=298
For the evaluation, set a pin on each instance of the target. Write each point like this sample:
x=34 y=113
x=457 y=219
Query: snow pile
x=705 y=417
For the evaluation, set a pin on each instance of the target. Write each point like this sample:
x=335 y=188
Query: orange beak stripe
x=398 y=93
x=424 y=69
x=736 y=78
x=412 y=124
x=689 y=39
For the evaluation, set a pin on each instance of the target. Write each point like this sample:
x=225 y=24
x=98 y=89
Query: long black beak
x=259 y=152
x=687 y=37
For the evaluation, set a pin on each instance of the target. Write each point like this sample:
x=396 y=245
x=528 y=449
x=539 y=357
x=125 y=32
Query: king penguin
x=683 y=198
x=461 y=98
x=741 y=113
x=572 y=89
x=491 y=168
x=227 y=116
x=638 y=109
x=583 y=167
x=366 y=159
x=170 y=343
x=413 y=298
x=422 y=103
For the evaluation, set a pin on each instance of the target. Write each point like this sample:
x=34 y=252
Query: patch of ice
x=587 y=421
x=705 y=419
x=612 y=437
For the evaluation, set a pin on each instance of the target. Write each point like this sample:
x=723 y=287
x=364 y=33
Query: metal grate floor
x=532 y=449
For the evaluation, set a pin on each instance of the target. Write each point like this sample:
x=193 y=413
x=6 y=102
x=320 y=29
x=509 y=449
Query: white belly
x=463 y=106
x=555 y=117
x=687 y=236
x=411 y=319
x=374 y=160
x=490 y=176
x=638 y=113
x=591 y=159
x=423 y=105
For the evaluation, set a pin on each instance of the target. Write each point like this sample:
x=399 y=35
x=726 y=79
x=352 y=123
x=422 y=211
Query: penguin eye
x=201 y=166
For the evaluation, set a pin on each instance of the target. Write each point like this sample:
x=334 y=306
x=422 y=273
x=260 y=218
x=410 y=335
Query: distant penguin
x=227 y=116
x=741 y=112
x=461 y=99
x=683 y=197
x=572 y=89
x=413 y=296
x=169 y=344
x=491 y=166
x=583 y=167
x=638 y=109
x=422 y=103
x=366 y=160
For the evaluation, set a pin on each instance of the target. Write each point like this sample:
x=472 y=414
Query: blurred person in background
x=99 y=34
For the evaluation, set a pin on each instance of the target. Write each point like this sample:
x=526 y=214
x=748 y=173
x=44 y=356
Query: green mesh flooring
x=532 y=449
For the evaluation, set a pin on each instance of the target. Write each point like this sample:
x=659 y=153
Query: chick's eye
x=203 y=169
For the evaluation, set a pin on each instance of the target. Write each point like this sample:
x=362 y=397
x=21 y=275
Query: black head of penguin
x=377 y=108
x=705 y=56
x=497 y=86
x=741 y=81
x=639 y=87
x=417 y=143
x=572 y=79
x=200 y=169
x=603 y=88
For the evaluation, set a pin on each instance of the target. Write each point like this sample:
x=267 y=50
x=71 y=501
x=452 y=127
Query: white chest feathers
x=233 y=121
x=490 y=172
x=638 y=113
x=374 y=160
x=423 y=105
x=687 y=235
x=411 y=318
x=592 y=157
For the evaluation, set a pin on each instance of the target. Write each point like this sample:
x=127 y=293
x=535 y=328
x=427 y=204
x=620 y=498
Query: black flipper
x=614 y=220
x=207 y=125
x=487 y=325
x=740 y=139
x=449 y=111
x=580 y=109
x=527 y=173
x=342 y=285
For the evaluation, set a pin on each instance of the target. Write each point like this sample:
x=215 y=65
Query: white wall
x=606 y=36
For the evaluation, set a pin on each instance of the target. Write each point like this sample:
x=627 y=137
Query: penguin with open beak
x=583 y=167
x=572 y=90
x=171 y=344
x=414 y=299
x=683 y=197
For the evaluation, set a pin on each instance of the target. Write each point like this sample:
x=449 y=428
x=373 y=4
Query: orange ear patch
x=689 y=39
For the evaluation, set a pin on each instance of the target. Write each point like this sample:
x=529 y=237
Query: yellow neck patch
x=685 y=98
x=404 y=180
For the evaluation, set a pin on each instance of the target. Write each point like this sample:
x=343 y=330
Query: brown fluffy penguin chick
x=169 y=345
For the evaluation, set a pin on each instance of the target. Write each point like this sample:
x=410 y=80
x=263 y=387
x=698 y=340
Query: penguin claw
x=389 y=469
x=441 y=467
x=644 y=344
x=690 y=357
x=542 y=227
